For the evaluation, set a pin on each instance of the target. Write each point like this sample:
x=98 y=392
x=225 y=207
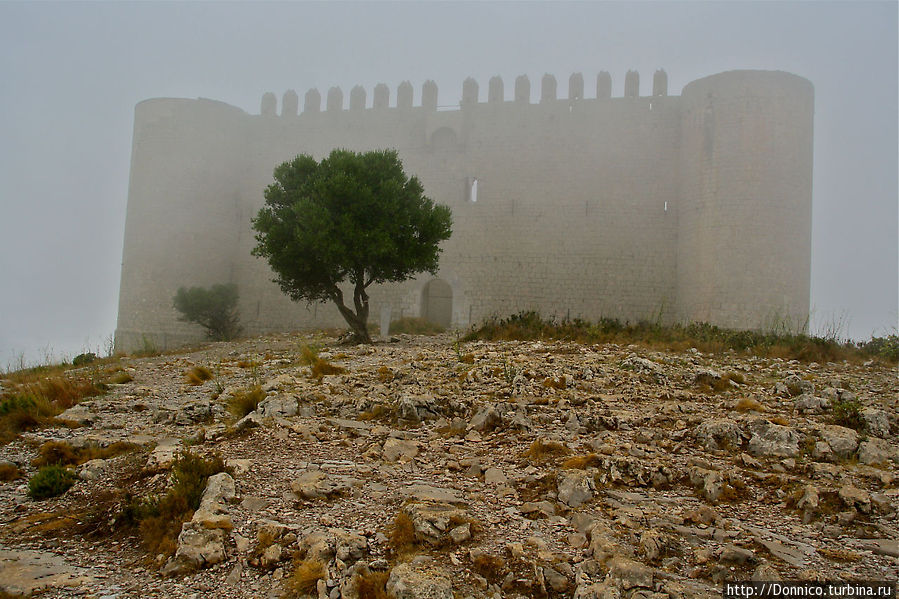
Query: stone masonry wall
x=691 y=207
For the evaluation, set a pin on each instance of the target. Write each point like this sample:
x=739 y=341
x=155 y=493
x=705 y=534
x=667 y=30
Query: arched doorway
x=437 y=302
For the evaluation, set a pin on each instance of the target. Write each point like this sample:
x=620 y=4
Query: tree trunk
x=357 y=320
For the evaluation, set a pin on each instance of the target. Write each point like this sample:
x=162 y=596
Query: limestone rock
x=327 y=544
x=316 y=484
x=278 y=405
x=809 y=404
x=576 y=488
x=877 y=422
x=718 y=433
x=198 y=547
x=853 y=497
x=486 y=419
x=842 y=441
x=875 y=451
x=769 y=439
x=709 y=482
x=629 y=574
x=213 y=510
x=408 y=581
x=399 y=450
x=434 y=521
x=23 y=572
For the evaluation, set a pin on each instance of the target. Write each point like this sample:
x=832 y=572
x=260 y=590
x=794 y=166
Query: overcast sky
x=71 y=73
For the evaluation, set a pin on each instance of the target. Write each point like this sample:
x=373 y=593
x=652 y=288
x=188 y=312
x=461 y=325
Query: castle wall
x=581 y=204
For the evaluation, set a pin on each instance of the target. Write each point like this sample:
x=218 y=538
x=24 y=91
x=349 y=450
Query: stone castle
x=681 y=208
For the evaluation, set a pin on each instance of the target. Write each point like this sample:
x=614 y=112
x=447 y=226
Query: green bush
x=849 y=414
x=215 y=309
x=415 y=326
x=50 y=481
x=159 y=519
x=85 y=358
x=706 y=337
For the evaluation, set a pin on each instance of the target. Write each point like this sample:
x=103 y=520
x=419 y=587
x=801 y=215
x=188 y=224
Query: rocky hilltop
x=425 y=467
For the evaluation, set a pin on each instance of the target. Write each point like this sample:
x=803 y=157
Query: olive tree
x=215 y=309
x=352 y=218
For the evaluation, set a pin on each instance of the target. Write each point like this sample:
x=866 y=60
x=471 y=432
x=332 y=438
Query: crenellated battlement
x=470 y=94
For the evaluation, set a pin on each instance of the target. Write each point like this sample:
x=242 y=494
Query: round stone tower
x=744 y=214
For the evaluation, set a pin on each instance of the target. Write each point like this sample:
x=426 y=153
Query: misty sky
x=71 y=73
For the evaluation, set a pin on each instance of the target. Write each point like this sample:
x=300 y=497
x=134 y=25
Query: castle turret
x=744 y=216
x=182 y=218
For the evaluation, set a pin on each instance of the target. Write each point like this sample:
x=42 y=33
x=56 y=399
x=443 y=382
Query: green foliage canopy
x=215 y=309
x=353 y=217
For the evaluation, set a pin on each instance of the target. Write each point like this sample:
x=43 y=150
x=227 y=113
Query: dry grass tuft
x=120 y=378
x=264 y=539
x=318 y=367
x=747 y=404
x=372 y=585
x=581 y=462
x=491 y=567
x=840 y=555
x=415 y=326
x=304 y=579
x=402 y=533
x=385 y=375
x=323 y=367
x=198 y=375
x=63 y=454
x=558 y=383
x=542 y=451
x=9 y=472
x=245 y=401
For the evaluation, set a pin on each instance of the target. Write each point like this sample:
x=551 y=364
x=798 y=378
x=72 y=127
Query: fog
x=71 y=73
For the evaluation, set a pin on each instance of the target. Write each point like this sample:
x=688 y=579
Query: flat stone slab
x=26 y=572
x=428 y=493
x=888 y=547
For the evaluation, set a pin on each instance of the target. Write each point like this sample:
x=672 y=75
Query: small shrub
x=582 y=462
x=402 y=533
x=304 y=579
x=491 y=567
x=84 y=359
x=372 y=585
x=308 y=355
x=264 y=539
x=245 y=401
x=120 y=378
x=747 y=404
x=159 y=519
x=215 y=309
x=61 y=453
x=198 y=375
x=848 y=413
x=9 y=471
x=385 y=375
x=50 y=481
x=323 y=367
x=415 y=326
x=558 y=383
x=541 y=451
x=23 y=412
